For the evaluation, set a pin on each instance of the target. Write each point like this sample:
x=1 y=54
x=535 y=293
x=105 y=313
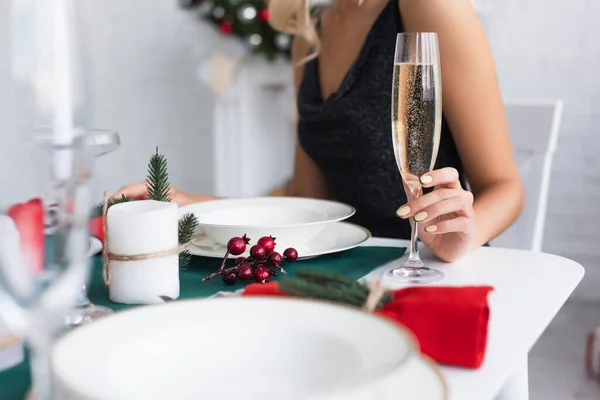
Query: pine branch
x=118 y=200
x=158 y=178
x=187 y=228
x=325 y=277
x=303 y=288
x=97 y=210
x=185 y=257
x=329 y=286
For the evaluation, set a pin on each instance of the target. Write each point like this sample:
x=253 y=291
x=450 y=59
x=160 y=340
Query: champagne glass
x=38 y=287
x=416 y=128
x=97 y=143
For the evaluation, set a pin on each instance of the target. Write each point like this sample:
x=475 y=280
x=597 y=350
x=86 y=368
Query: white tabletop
x=530 y=288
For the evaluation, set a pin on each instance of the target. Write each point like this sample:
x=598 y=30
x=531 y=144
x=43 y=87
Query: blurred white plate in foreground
x=241 y=348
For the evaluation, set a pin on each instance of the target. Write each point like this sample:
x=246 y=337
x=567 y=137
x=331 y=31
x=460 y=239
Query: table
x=530 y=289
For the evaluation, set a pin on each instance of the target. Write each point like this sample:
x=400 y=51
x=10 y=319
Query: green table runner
x=356 y=263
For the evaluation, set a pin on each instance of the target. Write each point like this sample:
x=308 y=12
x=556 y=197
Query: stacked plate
x=313 y=227
x=242 y=348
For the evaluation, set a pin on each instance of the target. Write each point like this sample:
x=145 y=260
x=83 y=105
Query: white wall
x=142 y=59
x=550 y=48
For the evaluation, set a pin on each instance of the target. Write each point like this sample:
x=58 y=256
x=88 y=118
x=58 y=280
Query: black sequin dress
x=349 y=135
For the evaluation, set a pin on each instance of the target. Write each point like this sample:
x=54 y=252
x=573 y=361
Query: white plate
x=423 y=380
x=234 y=348
x=335 y=237
x=292 y=220
x=95 y=246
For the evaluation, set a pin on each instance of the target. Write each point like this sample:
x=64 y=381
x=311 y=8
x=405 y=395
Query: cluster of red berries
x=263 y=262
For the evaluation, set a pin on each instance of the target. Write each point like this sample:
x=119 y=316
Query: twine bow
x=376 y=293
x=107 y=256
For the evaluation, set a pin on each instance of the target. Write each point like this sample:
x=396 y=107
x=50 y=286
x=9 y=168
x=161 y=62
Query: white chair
x=534 y=127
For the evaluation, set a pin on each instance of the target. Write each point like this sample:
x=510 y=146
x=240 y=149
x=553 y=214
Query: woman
x=344 y=149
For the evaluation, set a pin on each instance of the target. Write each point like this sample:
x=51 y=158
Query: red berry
x=275 y=258
x=225 y=27
x=264 y=14
x=240 y=260
x=245 y=273
x=237 y=245
x=290 y=254
x=230 y=278
x=262 y=275
x=258 y=252
x=268 y=242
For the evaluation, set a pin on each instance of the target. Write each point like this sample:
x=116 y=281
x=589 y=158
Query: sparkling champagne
x=416 y=119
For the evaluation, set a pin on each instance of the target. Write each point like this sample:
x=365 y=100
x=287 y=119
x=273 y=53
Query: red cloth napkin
x=450 y=323
x=29 y=218
x=97 y=228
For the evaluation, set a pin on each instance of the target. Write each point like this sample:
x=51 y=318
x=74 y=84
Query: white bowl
x=293 y=221
x=232 y=348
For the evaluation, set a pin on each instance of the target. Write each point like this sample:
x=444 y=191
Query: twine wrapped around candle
x=107 y=256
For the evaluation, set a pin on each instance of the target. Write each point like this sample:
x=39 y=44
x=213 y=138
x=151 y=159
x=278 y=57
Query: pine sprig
x=158 y=188
x=97 y=210
x=329 y=286
x=157 y=184
x=187 y=228
x=327 y=278
x=117 y=200
x=303 y=288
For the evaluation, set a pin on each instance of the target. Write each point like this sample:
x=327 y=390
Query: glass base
x=82 y=315
x=417 y=274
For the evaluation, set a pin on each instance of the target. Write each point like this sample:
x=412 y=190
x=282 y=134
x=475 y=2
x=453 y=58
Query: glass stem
x=413 y=256
x=40 y=367
x=82 y=298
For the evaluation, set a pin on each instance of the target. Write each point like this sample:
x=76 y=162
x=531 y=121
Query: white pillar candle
x=143 y=227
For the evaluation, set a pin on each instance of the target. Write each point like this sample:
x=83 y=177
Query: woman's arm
x=473 y=107
x=308 y=180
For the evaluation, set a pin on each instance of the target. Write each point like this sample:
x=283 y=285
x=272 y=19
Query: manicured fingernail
x=403 y=211
x=420 y=216
x=426 y=179
x=431 y=228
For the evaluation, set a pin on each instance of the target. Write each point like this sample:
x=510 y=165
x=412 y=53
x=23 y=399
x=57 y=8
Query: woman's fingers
x=136 y=192
x=415 y=206
x=139 y=191
x=455 y=225
x=184 y=199
x=456 y=204
x=445 y=177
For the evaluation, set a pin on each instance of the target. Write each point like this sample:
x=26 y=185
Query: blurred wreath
x=246 y=19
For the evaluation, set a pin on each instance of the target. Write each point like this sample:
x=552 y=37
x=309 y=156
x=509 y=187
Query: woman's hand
x=445 y=216
x=140 y=192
